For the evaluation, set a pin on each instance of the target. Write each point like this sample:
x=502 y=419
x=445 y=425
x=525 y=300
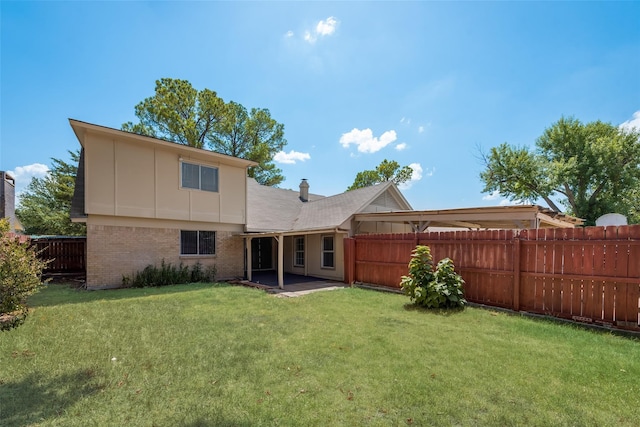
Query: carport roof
x=494 y=217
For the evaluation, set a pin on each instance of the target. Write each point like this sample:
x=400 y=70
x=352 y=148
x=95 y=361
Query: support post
x=280 y=240
x=249 y=253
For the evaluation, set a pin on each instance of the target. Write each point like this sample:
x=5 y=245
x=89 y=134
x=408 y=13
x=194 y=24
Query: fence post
x=516 y=274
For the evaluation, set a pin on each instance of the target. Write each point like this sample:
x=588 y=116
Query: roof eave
x=81 y=128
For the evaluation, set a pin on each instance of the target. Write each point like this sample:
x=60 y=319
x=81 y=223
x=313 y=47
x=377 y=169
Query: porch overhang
x=279 y=237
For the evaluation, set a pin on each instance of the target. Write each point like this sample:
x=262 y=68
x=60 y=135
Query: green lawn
x=206 y=355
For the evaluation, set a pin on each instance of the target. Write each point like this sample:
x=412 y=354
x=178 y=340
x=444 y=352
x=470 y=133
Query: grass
x=206 y=355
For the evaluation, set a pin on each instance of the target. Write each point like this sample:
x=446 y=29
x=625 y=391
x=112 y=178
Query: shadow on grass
x=38 y=397
x=58 y=294
x=437 y=311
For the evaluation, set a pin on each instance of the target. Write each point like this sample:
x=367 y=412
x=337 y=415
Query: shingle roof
x=275 y=209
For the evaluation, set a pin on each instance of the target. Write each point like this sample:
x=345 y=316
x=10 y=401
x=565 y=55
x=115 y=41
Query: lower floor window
x=328 y=254
x=197 y=242
x=298 y=260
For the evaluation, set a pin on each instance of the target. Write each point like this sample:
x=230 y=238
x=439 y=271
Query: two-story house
x=146 y=200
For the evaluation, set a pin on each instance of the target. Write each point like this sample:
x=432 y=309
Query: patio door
x=262 y=253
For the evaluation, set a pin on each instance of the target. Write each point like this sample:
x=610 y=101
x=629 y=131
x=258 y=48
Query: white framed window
x=197 y=242
x=328 y=252
x=298 y=251
x=199 y=177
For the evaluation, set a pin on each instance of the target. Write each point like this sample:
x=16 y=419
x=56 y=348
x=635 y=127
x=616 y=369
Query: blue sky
x=422 y=83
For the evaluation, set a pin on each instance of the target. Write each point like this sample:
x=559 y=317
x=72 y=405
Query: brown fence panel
x=581 y=274
x=383 y=259
x=586 y=274
x=484 y=259
x=66 y=256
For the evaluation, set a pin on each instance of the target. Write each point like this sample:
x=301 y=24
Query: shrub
x=425 y=287
x=20 y=276
x=169 y=274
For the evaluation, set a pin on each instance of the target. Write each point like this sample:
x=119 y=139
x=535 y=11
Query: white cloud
x=405 y=121
x=291 y=157
x=289 y=34
x=308 y=37
x=401 y=146
x=507 y=202
x=633 y=123
x=328 y=27
x=323 y=28
x=416 y=175
x=493 y=196
x=23 y=175
x=420 y=129
x=365 y=141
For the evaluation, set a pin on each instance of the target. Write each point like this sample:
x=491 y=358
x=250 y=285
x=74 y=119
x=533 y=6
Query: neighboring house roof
x=272 y=209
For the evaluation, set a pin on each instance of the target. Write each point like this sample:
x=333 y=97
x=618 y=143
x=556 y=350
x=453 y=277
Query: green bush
x=169 y=274
x=20 y=276
x=425 y=287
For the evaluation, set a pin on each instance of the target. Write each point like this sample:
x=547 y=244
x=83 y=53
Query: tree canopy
x=591 y=169
x=385 y=171
x=45 y=205
x=180 y=113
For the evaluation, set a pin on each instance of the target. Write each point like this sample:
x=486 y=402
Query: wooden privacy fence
x=67 y=255
x=587 y=274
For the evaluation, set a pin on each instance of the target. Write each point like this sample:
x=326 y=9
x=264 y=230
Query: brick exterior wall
x=114 y=251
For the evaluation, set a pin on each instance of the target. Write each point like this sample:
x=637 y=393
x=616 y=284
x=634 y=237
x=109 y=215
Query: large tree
x=385 y=171
x=251 y=135
x=591 y=169
x=179 y=113
x=45 y=205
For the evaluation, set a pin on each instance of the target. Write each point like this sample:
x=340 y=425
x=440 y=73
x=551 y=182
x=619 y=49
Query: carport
x=480 y=218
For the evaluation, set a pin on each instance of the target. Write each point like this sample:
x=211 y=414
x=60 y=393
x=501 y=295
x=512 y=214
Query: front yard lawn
x=206 y=355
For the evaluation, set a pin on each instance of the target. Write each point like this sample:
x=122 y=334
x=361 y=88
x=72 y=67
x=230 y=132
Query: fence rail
x=587 y=274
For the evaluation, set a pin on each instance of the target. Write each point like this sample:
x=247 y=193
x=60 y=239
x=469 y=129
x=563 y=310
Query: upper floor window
x=199 y=177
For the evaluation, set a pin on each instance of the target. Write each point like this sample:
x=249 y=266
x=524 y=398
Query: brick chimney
x=7 y=198
x=304 y=190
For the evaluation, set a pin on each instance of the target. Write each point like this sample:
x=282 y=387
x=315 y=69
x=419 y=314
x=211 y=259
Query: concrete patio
x=294 y=284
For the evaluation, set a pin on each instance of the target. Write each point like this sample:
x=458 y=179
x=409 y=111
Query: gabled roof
x=274 y=209
x=271 y=208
